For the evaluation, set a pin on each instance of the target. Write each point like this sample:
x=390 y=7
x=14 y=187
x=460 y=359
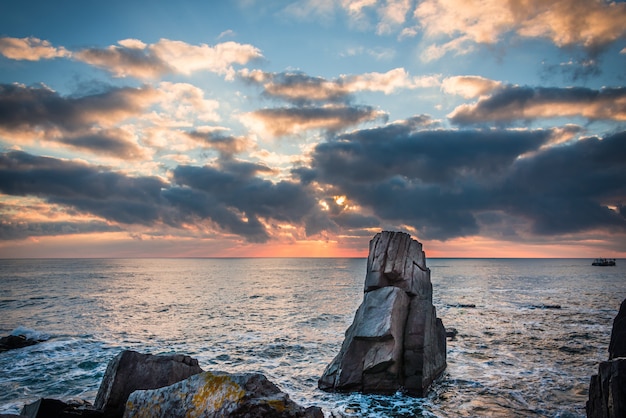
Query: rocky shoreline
x=171 y=386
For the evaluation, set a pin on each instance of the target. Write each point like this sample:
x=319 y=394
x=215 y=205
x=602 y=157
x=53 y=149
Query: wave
x=30 y=334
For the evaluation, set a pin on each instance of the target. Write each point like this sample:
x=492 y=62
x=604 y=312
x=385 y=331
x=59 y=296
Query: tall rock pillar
x=396 y=342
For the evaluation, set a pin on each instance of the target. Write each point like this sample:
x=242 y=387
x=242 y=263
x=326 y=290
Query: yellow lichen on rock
x=217 y=390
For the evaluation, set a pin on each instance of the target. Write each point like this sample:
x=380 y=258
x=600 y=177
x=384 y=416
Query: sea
x=530 y=332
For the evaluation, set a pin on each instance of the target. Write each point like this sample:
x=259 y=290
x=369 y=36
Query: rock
x=451 y=333
x=130 y=371
x=617 y=345
x=396 y=340
x=607 y=389
x=217 y=394
x=11 y=342
x=54 y=408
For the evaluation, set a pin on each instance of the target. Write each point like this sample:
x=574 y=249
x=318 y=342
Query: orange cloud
x=134 y=58
x=469 y=86
x=591 y=24
x=30 y=49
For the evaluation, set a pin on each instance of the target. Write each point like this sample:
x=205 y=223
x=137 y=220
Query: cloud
x=227 y=145
x=589 y=24
x=86 y=123
x=452 y=183
x=300 y=88
x=571 y=189
x=113 y=121
x=91 y=189
x=308 y=9
x=30 y=49
x=392 y=15
x=231 y=196
x=469 y=86
x=16 y=230
x=526 y=103
x=114 y=142
x=294 y=120
x=133 y=58
x=236 y=186
x=23 y=107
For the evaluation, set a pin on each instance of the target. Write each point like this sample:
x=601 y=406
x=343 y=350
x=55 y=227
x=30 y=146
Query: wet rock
x=54 y=408
x=607 y=389
x=396 y=340
x=217 y=394
x=11 y=342
x=451 y=333
x=130 y=371
x=617 y=345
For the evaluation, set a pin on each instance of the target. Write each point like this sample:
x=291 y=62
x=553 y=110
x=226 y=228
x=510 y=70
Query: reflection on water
x=526 y=348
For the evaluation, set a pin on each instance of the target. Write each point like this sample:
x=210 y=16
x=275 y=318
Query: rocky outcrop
x=11 y=342
x=607 y=389
x=54 y=408
x=217 y=394
x=396 y=340
x=617 y=345
x=145 y=385
x=130 y=371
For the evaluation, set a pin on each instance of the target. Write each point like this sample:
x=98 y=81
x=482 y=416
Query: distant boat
x=603 y=262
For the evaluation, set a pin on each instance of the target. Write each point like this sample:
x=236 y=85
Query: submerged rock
x=217 y=394
x=396 y=340
x=11 y=342
x=607 y=389
x=130 y=371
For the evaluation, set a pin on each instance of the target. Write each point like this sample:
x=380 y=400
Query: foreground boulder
x=130 y=371
x=396 y=340
x=607 y=389
x=217 y=394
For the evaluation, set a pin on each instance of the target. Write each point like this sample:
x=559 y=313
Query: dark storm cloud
x=232 y=196
x=569 y=188
x=113 y=196
x=526 y=103
x=440 y=156
x=444 y=182
x=237 y=186
x=290 y=120
x=26 y=112
x=15 y=230
x=38 y=106
x=107 y=141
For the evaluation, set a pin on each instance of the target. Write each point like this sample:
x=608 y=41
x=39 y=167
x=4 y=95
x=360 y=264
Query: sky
x=273 y=128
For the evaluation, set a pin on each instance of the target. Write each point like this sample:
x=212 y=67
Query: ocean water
x=516 y=354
